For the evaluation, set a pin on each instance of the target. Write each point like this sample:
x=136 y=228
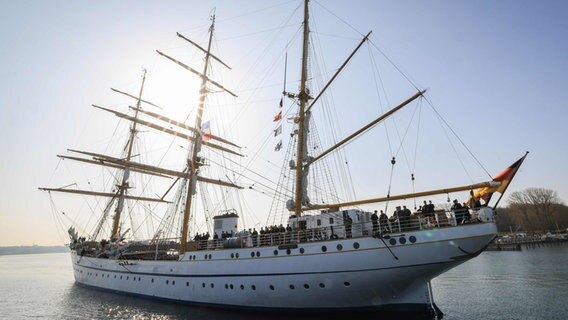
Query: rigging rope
x=460 y=140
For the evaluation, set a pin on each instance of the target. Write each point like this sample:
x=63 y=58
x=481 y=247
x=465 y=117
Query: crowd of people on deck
x=402 y=218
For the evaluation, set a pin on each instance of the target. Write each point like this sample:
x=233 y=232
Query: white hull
x=351 y=278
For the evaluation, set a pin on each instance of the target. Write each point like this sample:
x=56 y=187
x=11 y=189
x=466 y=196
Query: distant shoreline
x=32 y=250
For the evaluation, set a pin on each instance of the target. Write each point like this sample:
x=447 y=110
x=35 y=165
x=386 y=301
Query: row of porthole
x=133 y=278
x=227 y=286
x=206 y=257
x=402 y=240
x=301 y=250
x=323 y=249
x=108 y=276
x=253 y=287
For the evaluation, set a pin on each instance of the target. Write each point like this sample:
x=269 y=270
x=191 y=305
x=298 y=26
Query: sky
x=496 y=70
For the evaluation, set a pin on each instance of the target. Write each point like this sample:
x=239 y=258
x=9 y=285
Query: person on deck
x=384 y=222
x=405 y=218
x=431 y=208
x=374 y=219
x=458 y=212
x=348 y=222
x=425 y=208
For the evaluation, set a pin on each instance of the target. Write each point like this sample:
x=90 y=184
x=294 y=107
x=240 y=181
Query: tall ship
x=195 y=238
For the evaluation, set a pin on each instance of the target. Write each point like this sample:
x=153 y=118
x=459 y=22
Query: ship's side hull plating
x=353 y=273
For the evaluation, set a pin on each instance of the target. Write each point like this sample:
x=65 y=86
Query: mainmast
x=124 y=185
x=303 y=124
x=193 y=160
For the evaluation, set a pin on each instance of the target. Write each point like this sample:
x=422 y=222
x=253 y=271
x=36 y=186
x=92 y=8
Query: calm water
x=531 y=284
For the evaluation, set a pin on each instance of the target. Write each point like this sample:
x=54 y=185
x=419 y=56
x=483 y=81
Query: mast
x=193 y=159
x=124 y=185
x=303 y=122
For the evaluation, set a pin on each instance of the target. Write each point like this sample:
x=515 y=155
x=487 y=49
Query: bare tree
x=538 y=202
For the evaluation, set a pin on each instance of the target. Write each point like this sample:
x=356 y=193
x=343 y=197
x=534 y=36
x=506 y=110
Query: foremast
x=193 y=160
x=124 y=185
x=303 y=119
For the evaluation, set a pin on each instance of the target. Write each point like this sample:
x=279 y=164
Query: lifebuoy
x=428 y=222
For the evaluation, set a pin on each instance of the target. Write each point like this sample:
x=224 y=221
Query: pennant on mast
x=278 y=130
x=278 y=116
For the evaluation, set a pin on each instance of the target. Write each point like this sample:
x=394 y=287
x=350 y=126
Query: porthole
x=237 y=255
x=242 y=287
x=322 y=285
x=339 y=247
x=288 y=251
x=253 y=287
x=212 y=285
x=187 y=284
x=205 y=257
x=152 y=280
x=356 y=245
x=115 y=276
x=167 y=281
x=412 y=239
x=231 y=286
x=203 y=285
x=271 y=287
x=275 y=252
x=347 y=284
x=307 y=286
x=173 y=283
x=292 y=287
x=323 y=248
x=252 y=254
x=258 y=253
x=392 y=241
x=210 y=257
x=402 y=240
x=232 y=255
x=120 y=277
x=127 y=278
x=226 y=286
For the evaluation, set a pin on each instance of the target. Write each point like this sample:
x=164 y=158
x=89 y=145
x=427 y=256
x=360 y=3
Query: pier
x=516 y=242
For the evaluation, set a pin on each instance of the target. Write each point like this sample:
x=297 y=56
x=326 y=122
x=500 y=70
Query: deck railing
x=415 y=222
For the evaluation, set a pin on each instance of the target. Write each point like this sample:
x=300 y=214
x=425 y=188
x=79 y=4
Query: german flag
x=502 y=180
